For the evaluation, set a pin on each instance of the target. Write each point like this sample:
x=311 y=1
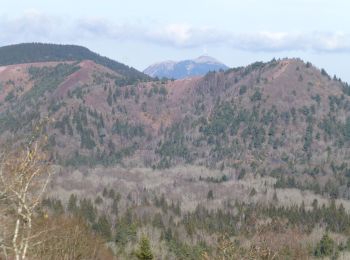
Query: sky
x=140 y=33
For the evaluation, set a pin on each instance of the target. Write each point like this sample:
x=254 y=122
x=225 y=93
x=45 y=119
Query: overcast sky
x=140 y=33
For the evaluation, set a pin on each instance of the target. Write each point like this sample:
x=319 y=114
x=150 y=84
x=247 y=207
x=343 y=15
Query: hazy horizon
x=236 y=33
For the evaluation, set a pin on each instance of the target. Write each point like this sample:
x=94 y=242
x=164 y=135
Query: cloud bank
x=34 y=26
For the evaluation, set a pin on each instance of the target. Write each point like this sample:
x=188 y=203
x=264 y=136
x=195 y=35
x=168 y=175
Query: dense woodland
x=195 y=234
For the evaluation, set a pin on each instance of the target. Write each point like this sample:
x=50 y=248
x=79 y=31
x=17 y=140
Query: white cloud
x=337 y=41
x=33 y=25
x=177 y=33
x=185 y=36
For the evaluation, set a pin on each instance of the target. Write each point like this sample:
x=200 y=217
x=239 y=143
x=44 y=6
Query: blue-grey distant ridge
x=186 y=68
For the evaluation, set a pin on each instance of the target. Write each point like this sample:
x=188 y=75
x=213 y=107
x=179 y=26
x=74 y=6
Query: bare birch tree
x=24 y=176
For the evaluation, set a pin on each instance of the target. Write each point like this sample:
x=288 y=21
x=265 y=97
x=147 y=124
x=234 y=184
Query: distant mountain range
x=267 y=114
x=186 y=68
x=106 y=112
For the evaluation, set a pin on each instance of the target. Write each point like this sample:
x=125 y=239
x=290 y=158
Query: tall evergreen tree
x=144 y=251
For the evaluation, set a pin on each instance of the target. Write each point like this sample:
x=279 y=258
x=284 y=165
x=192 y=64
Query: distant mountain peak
x=185 y=68
x=206 y=59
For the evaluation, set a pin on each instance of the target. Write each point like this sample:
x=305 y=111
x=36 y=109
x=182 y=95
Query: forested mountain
x=274 y=113
x=231 y=153
x=42 y=52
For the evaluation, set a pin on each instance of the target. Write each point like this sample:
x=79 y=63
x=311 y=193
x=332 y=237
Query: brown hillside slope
x=283 y=114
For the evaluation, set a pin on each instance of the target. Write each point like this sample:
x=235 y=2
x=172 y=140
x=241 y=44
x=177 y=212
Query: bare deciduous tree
x=24 y=175
x=70 y=237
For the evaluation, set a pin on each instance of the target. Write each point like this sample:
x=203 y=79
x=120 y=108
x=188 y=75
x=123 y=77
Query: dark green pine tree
x=144 y=251
x=103 y=227
x=326 y=246
x=72 y=204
